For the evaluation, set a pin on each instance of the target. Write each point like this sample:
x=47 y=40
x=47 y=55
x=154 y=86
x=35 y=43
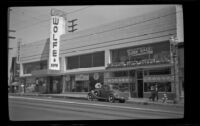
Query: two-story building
x=131 y=54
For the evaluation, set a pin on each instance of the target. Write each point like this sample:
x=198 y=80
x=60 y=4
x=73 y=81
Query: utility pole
x=72 y=25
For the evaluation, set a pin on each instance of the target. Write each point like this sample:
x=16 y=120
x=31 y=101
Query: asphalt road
x=34 y=108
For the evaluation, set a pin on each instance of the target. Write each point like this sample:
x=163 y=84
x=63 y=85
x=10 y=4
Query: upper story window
x=159 y=51
x=29 y=67
x=86 y=61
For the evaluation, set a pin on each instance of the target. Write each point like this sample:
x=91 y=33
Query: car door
x=105 y=91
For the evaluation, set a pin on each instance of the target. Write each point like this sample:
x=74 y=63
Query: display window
x=123 y=87
x=83 y=82
x=86 y=61
x=155 y=53
x=162 y=86
x=29 y=67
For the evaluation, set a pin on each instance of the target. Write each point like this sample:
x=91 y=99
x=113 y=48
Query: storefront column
x=21 y=69
x=63 y=83
x=48 y=85
x=107 y=57
x=62 y=64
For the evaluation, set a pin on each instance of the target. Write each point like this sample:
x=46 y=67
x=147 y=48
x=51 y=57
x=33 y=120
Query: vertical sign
x=18 y=51
x=57 y=24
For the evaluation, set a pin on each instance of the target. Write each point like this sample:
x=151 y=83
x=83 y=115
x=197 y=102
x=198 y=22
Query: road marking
x=93 y=104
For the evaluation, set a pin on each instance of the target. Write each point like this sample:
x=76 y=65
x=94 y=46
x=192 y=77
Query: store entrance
x=55 y=85
x=140 y=88
x=140 y=83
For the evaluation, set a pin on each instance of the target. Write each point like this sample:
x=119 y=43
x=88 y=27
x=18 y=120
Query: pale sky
x=33 y=23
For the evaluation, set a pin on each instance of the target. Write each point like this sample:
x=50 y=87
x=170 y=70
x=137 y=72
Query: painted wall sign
x=57 y=29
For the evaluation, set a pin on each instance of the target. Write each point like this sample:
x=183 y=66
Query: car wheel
x=121 y=101
x=111 y=98
x=90 y=98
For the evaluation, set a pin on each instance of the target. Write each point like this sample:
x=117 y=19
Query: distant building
x=132 y=55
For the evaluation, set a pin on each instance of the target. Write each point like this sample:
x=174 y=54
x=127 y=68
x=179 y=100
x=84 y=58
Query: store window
x=162 y=86
x=86 y=61
x=98 y=59
x=163 y=71
x=73 y=62
x=123 y=87
x=81 y=86
x=158 y=51
x=120 y=74
x=29 y=67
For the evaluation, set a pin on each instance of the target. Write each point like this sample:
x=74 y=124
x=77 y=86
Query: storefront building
x=131 y=54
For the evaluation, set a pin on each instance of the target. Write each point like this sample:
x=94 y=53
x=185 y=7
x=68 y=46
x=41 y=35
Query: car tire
x=111 y=98
x=90 y=98
x=121 y=101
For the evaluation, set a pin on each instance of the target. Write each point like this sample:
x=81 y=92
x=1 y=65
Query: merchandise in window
x=162 y=87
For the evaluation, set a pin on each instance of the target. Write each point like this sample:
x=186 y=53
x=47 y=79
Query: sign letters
x=57 y=24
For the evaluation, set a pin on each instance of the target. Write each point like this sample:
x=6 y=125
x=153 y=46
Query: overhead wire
x=49 y=19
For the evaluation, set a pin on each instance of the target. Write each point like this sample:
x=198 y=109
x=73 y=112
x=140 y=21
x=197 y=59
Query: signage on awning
x=158 y=78
x=118 y=80
x=45 y=72
x=81 y=77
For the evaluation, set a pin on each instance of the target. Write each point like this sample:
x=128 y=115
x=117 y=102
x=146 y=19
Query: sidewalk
x=76 y=95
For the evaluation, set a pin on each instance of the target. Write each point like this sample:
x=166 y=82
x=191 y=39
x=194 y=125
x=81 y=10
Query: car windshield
x=106 y=87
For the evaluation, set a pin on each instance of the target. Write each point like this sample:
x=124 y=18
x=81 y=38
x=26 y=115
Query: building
x=132 y=55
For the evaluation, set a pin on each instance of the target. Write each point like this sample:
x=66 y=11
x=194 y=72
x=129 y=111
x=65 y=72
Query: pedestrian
x=152 y=97
x=156 y=91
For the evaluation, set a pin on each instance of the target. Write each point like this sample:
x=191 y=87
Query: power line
x=49 y=19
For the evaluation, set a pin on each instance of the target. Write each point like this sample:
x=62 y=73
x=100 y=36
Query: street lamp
x=174 y=54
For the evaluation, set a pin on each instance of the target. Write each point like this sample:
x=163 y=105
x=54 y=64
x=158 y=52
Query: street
x=40 y=108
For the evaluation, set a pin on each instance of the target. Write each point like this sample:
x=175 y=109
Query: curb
x=71 y=97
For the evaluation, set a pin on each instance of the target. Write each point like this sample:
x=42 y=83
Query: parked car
x=107 y=93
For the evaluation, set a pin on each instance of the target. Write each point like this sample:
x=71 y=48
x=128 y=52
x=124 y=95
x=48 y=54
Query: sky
x=33 y=23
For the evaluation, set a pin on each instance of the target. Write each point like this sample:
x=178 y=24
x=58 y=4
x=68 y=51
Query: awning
x=136 y=67
x=43 y=73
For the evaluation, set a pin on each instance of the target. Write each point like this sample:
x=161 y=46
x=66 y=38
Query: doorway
x=55 y=85
x=140 y=88
x=140 y=83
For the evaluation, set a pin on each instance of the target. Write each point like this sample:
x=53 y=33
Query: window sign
x=82 y=77
x=140 y=51
x=96 y=76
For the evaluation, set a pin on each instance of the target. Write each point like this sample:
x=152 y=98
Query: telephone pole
x=72 y=25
